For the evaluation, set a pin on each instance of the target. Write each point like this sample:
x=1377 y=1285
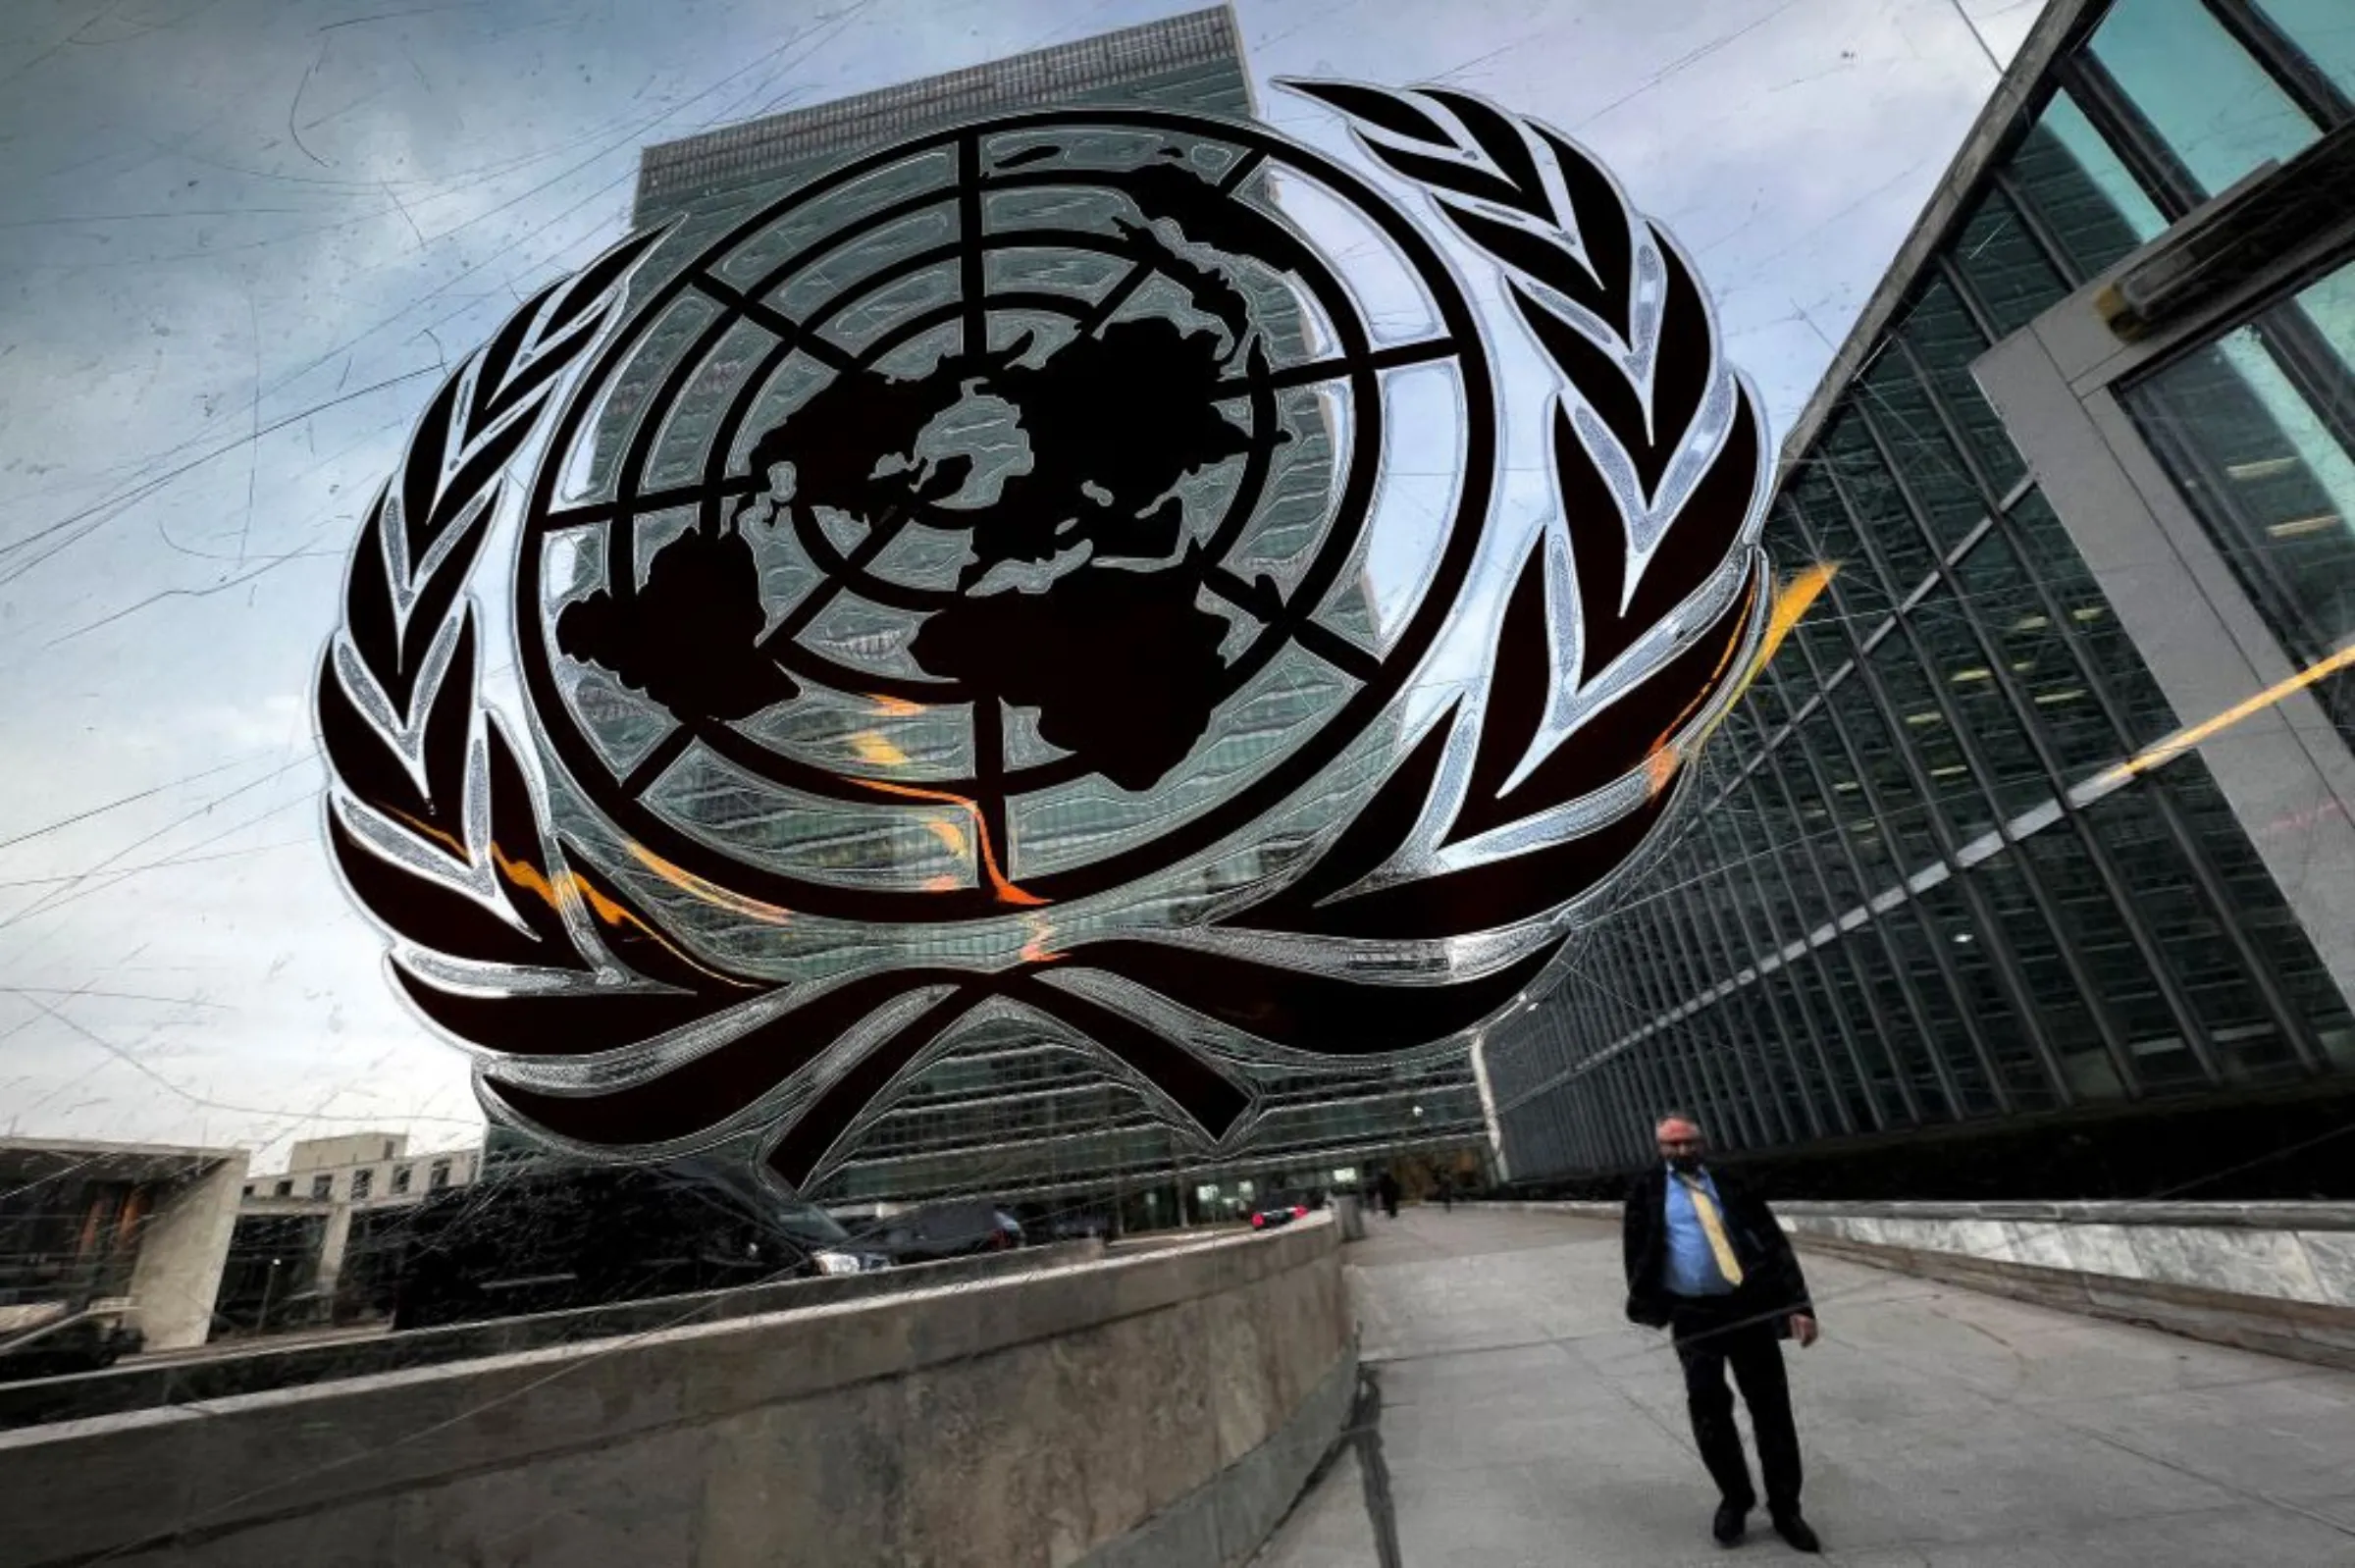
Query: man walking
x=1706 y=1261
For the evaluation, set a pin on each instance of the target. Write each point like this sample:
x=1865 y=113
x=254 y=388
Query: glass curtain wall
x=1916 y=886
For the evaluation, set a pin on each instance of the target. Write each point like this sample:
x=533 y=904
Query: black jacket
x=1771 y=1281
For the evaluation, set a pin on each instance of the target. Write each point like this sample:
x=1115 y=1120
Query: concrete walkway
x=1522 y=1423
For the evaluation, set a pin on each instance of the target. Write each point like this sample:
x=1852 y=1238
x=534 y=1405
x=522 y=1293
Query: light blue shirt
x=1692 y=1267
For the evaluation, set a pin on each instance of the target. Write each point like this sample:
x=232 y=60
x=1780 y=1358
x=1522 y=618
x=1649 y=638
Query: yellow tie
x=1714 y=1228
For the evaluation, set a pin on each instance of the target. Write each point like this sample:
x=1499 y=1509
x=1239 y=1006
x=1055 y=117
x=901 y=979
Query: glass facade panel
x=1897 y=1045
x=2061 y=1006
x=2265 y=463
x=1787 y=833
x=2258 y=913
x=1827 y=861
x=1944 y=341
x=1868 y=848
x=2096 y=932
x=1812 y=1055
x=1880 y=508
x=2011 y=771
x=2039 y=662
x=1848 y=1078
x=1820 y=530
x=1904 y=814
x=1943 y=915
x=1909 y=424
x=1966 y=807
x=1949 y=1031
x=2323 y=30
x=2094 y=208
x=1764 y=702
x=2009 y=273
x=2212 y=106
x=2198 y=952
x=2085 y=619
x=2142 y=928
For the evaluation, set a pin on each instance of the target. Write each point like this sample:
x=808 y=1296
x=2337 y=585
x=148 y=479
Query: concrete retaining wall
x=1157 y=1411
x=261 y=1366
x=2272 y=1276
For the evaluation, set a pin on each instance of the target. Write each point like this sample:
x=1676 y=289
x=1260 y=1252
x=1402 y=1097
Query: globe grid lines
x=1284 y=622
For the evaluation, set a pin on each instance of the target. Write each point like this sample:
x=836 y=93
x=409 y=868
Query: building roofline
x=99 y=1147
x=2054 y=33
x=44 y=1160
x=1204 y=37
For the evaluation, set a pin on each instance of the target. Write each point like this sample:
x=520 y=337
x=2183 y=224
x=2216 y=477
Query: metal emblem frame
x=635 y=982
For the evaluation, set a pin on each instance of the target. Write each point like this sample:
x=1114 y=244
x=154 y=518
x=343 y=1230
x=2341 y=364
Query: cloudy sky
x=240 y=238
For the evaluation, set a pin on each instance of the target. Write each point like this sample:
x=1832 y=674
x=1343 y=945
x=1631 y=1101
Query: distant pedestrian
x=1708 y=1261
x=1386 y=1188
x=1447 y=1193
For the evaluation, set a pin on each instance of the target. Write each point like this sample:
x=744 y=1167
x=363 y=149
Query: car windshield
x=809 y=1222
x=804 y=1222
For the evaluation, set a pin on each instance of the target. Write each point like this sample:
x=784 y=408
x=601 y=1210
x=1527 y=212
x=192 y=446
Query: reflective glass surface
x=2256 y=429
x=2088 y=198
x=2014 y=277
x=1927 y=926
x=1945 y=340
x=2212 y=107
x=2323 y=30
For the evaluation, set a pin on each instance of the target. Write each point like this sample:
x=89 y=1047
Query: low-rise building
x=138 y=1230
x=312 y=1241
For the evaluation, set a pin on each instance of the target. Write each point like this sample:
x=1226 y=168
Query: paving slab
x=1524 y=1421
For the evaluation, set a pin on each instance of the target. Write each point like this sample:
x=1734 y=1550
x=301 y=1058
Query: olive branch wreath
x=509 y=938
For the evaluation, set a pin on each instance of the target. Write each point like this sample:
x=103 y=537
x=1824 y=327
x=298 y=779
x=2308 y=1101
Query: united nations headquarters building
x=2025 y=868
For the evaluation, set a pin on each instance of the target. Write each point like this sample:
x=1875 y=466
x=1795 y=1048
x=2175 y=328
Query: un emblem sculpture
x=990 y=578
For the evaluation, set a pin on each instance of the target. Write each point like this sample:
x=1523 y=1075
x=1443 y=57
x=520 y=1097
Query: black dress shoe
x=1795 y=1530
x=1728 y=1526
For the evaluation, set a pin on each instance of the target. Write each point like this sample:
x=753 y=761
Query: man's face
x=1680 y=1143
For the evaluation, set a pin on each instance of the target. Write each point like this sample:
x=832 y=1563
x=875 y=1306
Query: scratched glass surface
x=246 y=243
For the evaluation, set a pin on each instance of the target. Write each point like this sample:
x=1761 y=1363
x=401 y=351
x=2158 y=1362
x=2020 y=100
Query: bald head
x=1680 y=1140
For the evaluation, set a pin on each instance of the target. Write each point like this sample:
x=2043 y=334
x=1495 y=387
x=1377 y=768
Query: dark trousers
x=1711 y=1336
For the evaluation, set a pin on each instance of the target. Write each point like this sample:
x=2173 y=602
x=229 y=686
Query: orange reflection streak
x=878 y=750
x=2184 y=740
x=1037 y=951
x=437 y=834
x=1791 y=602
x=950 y=836
x=572 y=888
x=894 y=706
x=1006 y=891
x=688 y=882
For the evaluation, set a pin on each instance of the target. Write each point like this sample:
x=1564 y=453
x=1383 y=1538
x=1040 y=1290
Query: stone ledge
x=226 y=1371
x=2239 y=1215
x=2277 y=1278
x=2299 y=1331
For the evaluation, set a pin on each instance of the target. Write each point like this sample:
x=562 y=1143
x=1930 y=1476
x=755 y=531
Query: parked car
x=1280 y=1209
x=554 y=1237
x=53 y=1338
x=1081 y=1227
x=949 y=1231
